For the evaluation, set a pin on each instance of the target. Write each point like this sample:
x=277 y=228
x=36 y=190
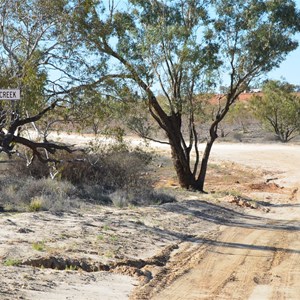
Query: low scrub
x=117 y=176
x=147 y=196
x=36 y=194
x=112 y=169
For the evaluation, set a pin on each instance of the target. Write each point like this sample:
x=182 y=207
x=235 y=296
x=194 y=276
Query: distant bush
x=278 y=108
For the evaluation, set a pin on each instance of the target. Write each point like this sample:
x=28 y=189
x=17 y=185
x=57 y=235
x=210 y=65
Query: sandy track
x=258 y=259
x=280 y=158
x=243 y=264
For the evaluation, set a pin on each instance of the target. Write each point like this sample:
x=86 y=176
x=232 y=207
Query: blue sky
x=289 y=70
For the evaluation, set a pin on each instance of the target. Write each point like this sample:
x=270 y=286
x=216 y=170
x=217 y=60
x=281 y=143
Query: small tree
x=240 y=117
x=278 y=109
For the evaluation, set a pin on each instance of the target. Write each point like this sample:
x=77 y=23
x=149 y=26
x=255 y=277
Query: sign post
x=10 y=94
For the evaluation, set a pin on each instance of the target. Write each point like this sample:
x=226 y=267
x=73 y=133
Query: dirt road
x=243 y=263
x=282 y=159
x=257 y=256
x=224 y=251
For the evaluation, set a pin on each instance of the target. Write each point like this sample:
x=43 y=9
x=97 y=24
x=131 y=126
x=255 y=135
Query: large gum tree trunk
x=181 y=158
x=181 y=163
x=183 y=171
x=204 y=163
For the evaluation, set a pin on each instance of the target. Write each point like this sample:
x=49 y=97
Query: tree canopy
x=31 y=49
x=279 y=109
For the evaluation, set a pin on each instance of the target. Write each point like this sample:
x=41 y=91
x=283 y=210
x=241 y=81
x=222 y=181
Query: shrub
x=93 y=194
x=36 y=204
x=36 y=169
x=143 y=196
x=278 y=109
x=114 y=175
x=32 y=194
x=110 y=170
x=9 y=262
x=38 y=246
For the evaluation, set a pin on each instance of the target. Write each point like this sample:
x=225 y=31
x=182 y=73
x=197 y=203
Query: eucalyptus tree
x=179 y=50
x=279 y=109
x=31 y=49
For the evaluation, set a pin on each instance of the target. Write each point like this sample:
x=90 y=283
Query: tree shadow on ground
x=268 y=204
x=211 y=242
x=222 y=215
x=245 y=246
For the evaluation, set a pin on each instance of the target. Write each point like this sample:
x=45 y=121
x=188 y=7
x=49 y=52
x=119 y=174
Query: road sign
x=10 y=94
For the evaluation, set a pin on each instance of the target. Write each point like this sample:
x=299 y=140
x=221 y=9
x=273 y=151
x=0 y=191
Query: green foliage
x=279 y=109
x=26 y=25
x=32 y=47
x=35 y=204
x=256 y=35
x=240 y=115
x=140 y=43
x=9 y=262
x=106 y=227
x=102 y=114
x=71 y=268
x=38 y=246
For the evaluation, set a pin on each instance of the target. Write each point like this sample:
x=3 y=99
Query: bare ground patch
x=137 y=242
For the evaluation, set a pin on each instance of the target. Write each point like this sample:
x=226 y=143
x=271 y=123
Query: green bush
x=278 y=108
x=36 y=204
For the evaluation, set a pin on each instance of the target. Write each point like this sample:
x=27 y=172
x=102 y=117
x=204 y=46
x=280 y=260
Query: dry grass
x=114 y=176
x=36 y=194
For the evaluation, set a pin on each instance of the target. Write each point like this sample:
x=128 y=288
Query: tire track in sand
x=243 y=263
